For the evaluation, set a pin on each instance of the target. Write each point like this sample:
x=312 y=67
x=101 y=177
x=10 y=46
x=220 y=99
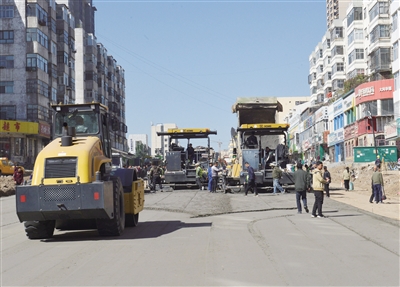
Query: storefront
x=336 y=136
x=350 y=140
x=21 y=141
x=374 y=110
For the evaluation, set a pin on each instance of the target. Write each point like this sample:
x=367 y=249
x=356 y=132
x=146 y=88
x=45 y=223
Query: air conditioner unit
x=42 y=22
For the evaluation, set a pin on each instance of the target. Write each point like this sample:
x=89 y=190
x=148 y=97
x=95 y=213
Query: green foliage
x=141 y=150
x=354 y=82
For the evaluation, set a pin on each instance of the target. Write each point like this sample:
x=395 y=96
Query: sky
x=186 y=62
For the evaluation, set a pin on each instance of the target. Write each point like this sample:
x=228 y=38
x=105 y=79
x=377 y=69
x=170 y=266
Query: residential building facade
x=134 y=139
x=47 y=56
x=159 y=144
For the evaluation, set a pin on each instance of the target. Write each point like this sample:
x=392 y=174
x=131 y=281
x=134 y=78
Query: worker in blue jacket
x=209 y=176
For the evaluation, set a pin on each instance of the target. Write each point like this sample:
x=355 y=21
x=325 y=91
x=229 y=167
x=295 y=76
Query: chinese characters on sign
x=18 y=127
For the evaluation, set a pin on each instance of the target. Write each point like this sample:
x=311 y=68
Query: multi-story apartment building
x=354 y=41
x=359 y=44
x=392 y=130
x=47 y=56
x=337 y=57
x=377 y=27
x=334 y=10
x=159 y=144
x=134 y=139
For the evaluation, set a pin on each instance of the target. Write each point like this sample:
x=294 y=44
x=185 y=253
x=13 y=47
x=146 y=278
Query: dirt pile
x=7 y=185
x=362 y=174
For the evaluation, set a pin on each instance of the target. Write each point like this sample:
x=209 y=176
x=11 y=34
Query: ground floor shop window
x=5 y=147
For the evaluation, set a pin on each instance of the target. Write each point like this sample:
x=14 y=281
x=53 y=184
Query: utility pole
x=219 y=148
x=373 y=130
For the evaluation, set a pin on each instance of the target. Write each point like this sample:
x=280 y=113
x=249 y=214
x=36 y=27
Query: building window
x=379 y=31
x=53 y=48
x=379 y=8
x=62 y=36
x=53 y=25
x=91 y=40
x=336 y=33
x=34 y=9
x=6 y=36
x=8 y=112
x=395 y=51
x=37 y=87
x=337 y=50
x=37 y=112
x=394 y=22
x=387 y=108
x=54 y=94
x=34 y=34
x=36 y=61
x=380 y=59
x=354 y=15
x=338 y=67
x=92 y=76
x=337 y=84
x=396 y=81
x=7 y=62
x=7 y=87
x=6 y=11
x=54 y=71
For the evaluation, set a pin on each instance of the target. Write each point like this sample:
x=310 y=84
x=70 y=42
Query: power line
x=148 y=74
x=169 y=72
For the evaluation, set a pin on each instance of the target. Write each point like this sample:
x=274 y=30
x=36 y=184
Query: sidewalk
x=360 y=199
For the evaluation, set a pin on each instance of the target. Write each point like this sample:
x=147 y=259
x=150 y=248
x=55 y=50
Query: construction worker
x=155 y=176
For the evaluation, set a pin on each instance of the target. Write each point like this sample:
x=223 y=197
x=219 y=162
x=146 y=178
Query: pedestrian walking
x=214 y=171
x=301 y=186
x=371 y=198
x=346 y=178
x=377 y=183
x=327 y=175
x=276 y=176
x=209 y=177
x=251 y=180
x=318 y=187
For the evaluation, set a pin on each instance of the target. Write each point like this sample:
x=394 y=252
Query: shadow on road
x=149 y=229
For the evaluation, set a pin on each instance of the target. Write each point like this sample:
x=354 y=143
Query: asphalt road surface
x=195 y=238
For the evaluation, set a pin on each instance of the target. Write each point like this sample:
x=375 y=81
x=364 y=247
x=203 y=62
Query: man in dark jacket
x=327 y=175
x=252 y=180
x=301 y=186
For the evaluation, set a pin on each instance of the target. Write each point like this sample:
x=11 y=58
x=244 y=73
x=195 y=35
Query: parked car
x=7 y=166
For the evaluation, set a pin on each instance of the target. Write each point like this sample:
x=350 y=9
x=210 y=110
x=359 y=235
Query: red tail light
x=96 y=195
x=22 y=198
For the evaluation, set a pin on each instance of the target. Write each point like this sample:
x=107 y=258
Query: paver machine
x=259 y=158
x=73 y=179
x=257 y=121
x=180 y=171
